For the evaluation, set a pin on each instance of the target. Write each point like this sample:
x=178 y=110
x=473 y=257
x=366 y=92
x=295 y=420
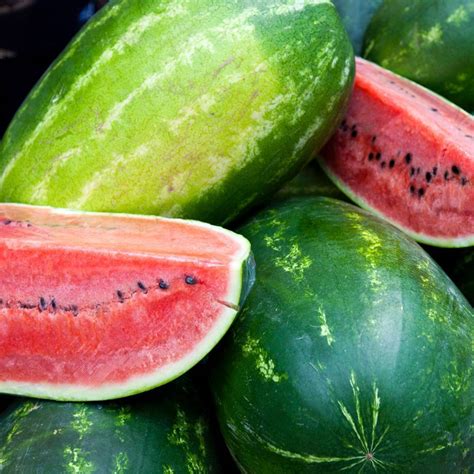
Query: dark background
x=32 y=34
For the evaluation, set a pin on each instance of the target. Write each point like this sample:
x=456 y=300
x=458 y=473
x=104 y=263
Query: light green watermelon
x=354 y=352
x=180 y=108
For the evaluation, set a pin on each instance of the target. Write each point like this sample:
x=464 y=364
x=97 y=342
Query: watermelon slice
x=408 y=155
x=99 y=306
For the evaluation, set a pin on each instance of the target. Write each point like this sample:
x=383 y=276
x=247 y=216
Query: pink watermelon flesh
x=97 y=306
x=408 y=155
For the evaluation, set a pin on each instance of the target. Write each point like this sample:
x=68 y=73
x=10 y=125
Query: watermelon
x=356 y=15
x=166 y=431
x=99 y=306
x=428 y=41
x=354 y=352
x=407 y=155
x=310 y=181
x=181 y=108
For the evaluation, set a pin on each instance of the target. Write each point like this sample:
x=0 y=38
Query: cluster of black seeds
x=428 y=176
x=50 y=304
x=9 y=222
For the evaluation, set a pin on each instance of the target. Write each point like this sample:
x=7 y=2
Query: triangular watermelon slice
x=406 y=154
x=98 y=306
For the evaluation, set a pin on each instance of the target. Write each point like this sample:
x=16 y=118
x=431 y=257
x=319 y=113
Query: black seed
x=434 y=110
x=428 y=176
x=6 y=221
x=408 y=158
x=383 y=164
x=412 y=171
x=142 y=287
x=468 y=136
x=74 y=309
x=27 y=306
x=120 y=296
x=421 y=191
x=343 y=123
x=163 y=285
x=391 y=164
x=353 y=127
x=455 y=169
x=354 y=133
x=446 y=174
x=418 y=170
x=42 y=304
x=435 y=171
x=378 y=156
x=190 y=280
x=53 y=304
x=345 y=128
x=374 y=138
x=463 y=181
x=371 y=156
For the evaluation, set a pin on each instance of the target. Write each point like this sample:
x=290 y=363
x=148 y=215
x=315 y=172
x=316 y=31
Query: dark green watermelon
x=165 y=431
x=428 y=41
x=356 y=15
x=459 y=265
x=310 y=181
x=354 y=352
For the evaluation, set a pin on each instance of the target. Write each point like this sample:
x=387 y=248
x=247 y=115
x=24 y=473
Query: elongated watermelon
x=97 y=306
x=428 y=41
x=407 y=155
x=166 y=431
x=181 y=108
x=353 y=353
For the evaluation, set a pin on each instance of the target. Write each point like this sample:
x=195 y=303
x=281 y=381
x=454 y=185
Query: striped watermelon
x=167 y=431
x=354 y=352
x=181 y=108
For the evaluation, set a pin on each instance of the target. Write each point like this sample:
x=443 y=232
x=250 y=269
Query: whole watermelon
x=428 y=41
x=356 y=15
x=166 y=431
x=180 y=108
x=354 y=352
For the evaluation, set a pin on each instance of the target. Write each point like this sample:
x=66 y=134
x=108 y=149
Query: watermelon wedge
x=99 y=306
x=408 y=155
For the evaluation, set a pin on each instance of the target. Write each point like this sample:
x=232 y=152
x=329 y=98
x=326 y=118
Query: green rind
x=429 y=42
x=242 y=278
x=458 y=242
x=356 y=15
x=167 y=431
x=181 y=108
x=353 y=353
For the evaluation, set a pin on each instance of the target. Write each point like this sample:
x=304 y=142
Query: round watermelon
x=180 y=108
x=353 y=353
x=167 y=431
x=428 y=41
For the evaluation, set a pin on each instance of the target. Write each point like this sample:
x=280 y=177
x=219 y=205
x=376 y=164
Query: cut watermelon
x=99 y=306
x=408 y=155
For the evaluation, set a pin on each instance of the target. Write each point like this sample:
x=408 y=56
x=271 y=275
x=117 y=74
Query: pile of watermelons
x=350 y=349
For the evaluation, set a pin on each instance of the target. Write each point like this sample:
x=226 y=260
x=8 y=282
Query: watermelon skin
x=429 y=42
x=407 y=155
x=353 y=338
x=180 y=108
x=96 y=306
x=166 y=431
x=356 y=15
x=310 y=181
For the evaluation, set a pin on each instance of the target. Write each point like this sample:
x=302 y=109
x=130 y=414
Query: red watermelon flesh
x=97 y=306
x=408 y=155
